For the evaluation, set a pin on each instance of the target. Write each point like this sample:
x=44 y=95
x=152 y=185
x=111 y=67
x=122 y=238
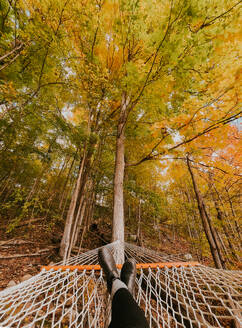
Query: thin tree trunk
x=88 y=212
x=225 y=251
x=139 y=233
x=66 y=181
x=220 y=218
x=215 y=238
x=205 y=223
x=82 y=235
x=233 y=213
x=78 y=223
x=67 y=194
x=90 y=209
x=118 y=201
x=191 y=234
x=65 y=241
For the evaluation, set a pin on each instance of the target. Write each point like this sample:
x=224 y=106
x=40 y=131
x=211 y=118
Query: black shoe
x=108 y=265
x=128 y=274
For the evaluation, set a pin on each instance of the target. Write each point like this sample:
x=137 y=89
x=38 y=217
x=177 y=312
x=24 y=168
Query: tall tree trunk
x=215 y=238
x=204 y=220
x=66 y=181
x=77 y=223
x=118 y=206
x=233 y=213
x=65 y=241
x=67 y=195
x=139 y=233
x=220 y=218
x=221 y=215
x=90 y=209
x=85 y=203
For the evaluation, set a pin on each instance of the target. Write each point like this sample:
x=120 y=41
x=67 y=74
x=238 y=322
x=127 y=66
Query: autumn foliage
x=154 y=83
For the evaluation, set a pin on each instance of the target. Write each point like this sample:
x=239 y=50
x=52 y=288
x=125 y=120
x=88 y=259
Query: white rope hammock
x=172 y=295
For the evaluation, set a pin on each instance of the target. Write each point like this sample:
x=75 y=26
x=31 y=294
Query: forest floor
x=24 y=251
x=27 y=248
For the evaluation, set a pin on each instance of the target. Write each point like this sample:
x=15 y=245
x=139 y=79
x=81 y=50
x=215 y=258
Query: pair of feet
x=128 y=271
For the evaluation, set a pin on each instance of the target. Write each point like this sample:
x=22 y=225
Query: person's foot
x=128 y=274
x=108 y=265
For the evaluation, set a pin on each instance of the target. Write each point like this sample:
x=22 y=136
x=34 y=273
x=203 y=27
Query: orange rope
x=97 y=267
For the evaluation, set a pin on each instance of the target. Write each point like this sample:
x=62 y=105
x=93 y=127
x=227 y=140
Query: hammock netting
x=172 y=294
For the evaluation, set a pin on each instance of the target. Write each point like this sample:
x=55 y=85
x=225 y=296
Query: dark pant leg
x=125 y=311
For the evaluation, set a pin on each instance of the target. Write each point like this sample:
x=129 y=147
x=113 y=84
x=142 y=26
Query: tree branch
x=210 y=128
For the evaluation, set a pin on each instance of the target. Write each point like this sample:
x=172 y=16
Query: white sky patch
x=237 y=123
x=69 y=72
x=67 y=112
x=177 y=138
x=175 y=135
x=141 y=114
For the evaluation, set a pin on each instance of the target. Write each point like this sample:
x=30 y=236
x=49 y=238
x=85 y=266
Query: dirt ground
x=24 y=252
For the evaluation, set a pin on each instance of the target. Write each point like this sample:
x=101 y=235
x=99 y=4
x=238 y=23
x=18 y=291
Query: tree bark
x=215 y=238
x=233 y=213
x=66 y=181
x=65 y=241
x=220 y=218
x=118 y=206
x=204 y=220
x=79 y=220
x=77 y=223
x=139 y=233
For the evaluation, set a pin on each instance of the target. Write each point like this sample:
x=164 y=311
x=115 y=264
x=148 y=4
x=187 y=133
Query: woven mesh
x=194 y=296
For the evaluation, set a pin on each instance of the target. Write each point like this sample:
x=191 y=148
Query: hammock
x=173 y=293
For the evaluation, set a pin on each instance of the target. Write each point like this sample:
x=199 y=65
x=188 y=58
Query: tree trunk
x=83 y=209
x=88 y=214
x=78 y=228
x=66 y=181
x=215 y=238
x=77 y=223
x=90 y=209
x=118 y=206
x=139 y=233
x=220 y=218
x=82 y=234
x=233 y=213
x=221 y=215
x=204 y=220
x=65 y=241
x=67 y=195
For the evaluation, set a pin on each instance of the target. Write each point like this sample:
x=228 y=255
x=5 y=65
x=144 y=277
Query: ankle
x=116 y=285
